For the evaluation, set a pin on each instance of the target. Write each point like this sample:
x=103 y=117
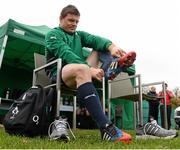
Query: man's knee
x=83 y=75
x=74 y=75
x=82 y=69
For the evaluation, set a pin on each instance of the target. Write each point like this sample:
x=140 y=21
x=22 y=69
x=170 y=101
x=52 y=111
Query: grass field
x=85 y=139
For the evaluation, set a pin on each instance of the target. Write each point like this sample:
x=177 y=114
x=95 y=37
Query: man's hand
x=116 y=51
x=97 y=73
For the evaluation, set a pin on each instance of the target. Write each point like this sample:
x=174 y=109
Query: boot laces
x=60 y=125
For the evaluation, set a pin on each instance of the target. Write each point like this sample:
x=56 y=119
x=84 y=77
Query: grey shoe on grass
x=58 y=130
x=152 y=130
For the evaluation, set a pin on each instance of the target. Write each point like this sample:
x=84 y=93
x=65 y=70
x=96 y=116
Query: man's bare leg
x=79 y=76
x=74 y=75
x=93 y=59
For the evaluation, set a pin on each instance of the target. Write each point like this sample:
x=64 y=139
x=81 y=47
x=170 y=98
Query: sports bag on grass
x=31 y=114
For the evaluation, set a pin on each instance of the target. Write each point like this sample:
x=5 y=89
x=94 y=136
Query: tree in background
x=175 y=102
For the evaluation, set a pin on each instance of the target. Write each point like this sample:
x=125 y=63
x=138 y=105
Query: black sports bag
x=31 y=114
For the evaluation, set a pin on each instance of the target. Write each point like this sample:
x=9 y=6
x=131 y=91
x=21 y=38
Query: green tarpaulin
x=18 y=42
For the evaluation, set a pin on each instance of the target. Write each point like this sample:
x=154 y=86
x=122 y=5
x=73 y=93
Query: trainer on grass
x=78 y=72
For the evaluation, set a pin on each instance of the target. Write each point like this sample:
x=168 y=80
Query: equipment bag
x=31 y=114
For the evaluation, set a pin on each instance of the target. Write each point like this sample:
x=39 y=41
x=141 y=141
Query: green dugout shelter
x=18 y=42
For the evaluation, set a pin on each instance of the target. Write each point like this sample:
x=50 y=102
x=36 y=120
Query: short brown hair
x=69 y=9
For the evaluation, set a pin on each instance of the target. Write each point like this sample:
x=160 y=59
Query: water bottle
x=7 y=93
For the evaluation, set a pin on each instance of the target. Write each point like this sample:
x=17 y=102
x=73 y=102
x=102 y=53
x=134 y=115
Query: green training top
x=69 y=46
